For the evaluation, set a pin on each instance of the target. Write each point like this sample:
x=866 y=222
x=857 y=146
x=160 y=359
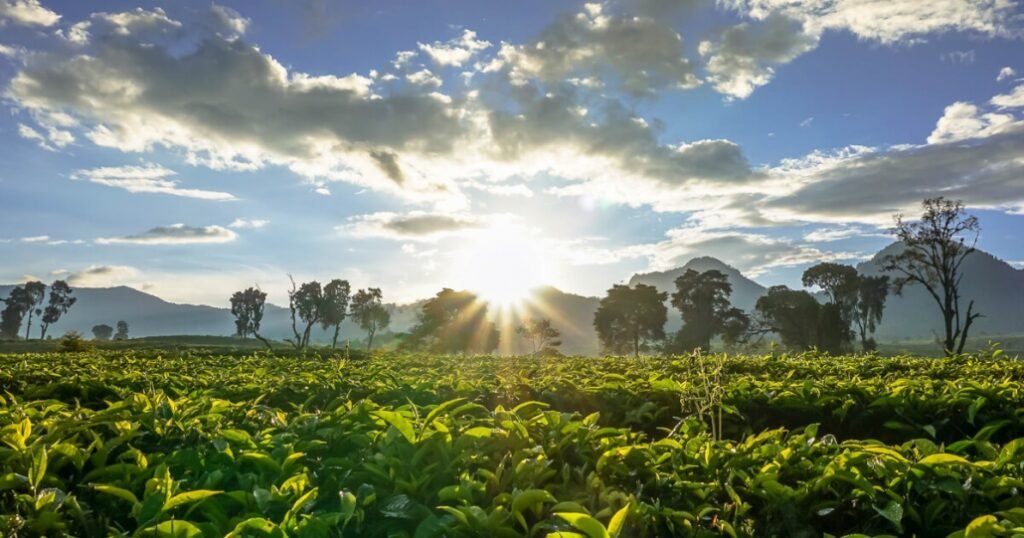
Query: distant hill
x=996 y=286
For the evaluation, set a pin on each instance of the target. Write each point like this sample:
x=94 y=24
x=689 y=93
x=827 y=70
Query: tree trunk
x=28 y=327
x=261 y=339
x=369 y=341
x=334 y=341
x=42 y=331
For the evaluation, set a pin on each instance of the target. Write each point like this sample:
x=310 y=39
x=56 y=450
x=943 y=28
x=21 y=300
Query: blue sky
x=190 y=149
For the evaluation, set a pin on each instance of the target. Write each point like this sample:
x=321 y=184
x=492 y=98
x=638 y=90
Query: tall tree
x=122 y=330
x=703 y=300
x=453 y=322
x=17 y=303
x=543 y=338
x=626 y=318
x=60 y=302
x=36 y=293
x=247 y=307
x=871 y=294
x=934 y=249
x=791 y=314
x=334 y=307
x=840 y=284
x=102 y=332
x=304 y=303
x=369 y=313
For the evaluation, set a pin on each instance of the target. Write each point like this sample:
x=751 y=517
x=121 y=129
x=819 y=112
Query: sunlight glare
x=502 y=267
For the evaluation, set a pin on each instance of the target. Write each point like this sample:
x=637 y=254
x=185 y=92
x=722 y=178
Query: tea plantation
x=122 y=443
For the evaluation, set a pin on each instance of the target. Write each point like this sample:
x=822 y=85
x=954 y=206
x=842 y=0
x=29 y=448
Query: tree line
x=26 y=303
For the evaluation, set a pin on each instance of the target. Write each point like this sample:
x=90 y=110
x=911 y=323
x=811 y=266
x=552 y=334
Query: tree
x=304 y=304
x=247 y=307
x=871 y=294
x=36 y=293
x=18 y=304
x=791 y=314
x=703 y=300
x=102 y=332
x=334 y=307
x=628 y=318
x=369 y=313
x=60 y=302
x=543 y=338
x=934 y=249
x=840 y=283
x=122 y=330
x=453 y=322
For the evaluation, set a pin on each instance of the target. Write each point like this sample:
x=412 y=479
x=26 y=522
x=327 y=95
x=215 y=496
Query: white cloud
x=36 y=239
x=412 y=226
x=175 y=234
x=1014 y=99
x=424 y=77
x=958 y=56
x=102 y=276
x=455 y=52
x=27 y=13
x=1005 y=73
x=248 y=223
x=962 y=121
x=827 y=235
x=149 y=178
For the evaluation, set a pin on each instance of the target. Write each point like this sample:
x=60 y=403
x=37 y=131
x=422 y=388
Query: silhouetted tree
x=60 y=302
x=543 y=338
x=703 y=300
x=102 y=332
x=36 y=293
x=18 y=303
x=840 y=284
x=453 y=322
x=334 y=307
x=247 y=307
x=628 y=318
x=791 y=314
x=122 y=330
x=871 y=294
x=369 y=313
x=934 y=248
x=304 y=303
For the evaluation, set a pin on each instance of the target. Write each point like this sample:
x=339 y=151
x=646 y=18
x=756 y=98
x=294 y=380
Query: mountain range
x=996 y=286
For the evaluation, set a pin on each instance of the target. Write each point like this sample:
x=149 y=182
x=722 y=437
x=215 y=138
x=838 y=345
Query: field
x=153 y=443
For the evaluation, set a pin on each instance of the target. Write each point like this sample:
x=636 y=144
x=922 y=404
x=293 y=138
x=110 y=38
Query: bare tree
x=934 y=248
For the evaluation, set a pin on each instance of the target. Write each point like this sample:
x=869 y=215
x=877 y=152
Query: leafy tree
x=60 y=302
x=334 y=307
x=369 y=313
x=703 y=300
x=18 y=304
x=453 y=322
x=122 y=331
x=102 y=332
x=934 y=248
x=871 y=294
x=840 y=283
x=628 y=318
x=36 y=293
x=247 y=307
x=304 y=303
x=543 y=338
x=791 y=314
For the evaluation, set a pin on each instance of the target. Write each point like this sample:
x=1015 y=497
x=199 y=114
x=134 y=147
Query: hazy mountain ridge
x=996 y=286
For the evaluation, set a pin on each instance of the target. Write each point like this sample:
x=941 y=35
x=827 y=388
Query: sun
x=501 y=266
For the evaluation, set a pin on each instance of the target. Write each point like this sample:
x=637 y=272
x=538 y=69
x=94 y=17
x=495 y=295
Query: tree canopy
x=629 y=318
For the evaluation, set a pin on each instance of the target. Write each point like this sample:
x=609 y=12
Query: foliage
x=35 y=292
x=122 y=330
x=703 y=300
x=871 y=294
x=543 y=338
x=133 y=443
x=453 y=322
x=369 y=313
x=102 y=332
x=334 y=307
x=247 y=306
x=791 y=314
x=627 y=319
x=934 y=248
x=60 y=301
x=72 y=342
x=18 y=304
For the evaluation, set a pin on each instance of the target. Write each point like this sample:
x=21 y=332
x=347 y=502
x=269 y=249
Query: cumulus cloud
x=641 y=53
x=101 y=276
x=745 y=56
x=1014 y=99
x=150 y=178
x=27 y=13
x=248 y=223
x=175 y=234
x=962 y=121
x=412 y=226
x=1005 y=73
x=455 y=52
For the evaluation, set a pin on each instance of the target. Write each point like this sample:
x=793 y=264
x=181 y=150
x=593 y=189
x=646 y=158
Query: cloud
x=640 y=53
x=745 y=56
x=414 y=226
x=455 y=52
x=1014 y=99
x=827 y=235
x=248 y=223
x=1005 y=73
x=958 y=57
x=150 y=178
x=962 y=121
x=26 y=13
x=36 y=239
x=102 y=276
x=175 y=234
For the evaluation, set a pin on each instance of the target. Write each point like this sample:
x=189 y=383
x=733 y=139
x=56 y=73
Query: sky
x=190 y=149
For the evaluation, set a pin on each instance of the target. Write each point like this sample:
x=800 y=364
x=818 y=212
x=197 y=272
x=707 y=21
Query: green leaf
x=173 y=529
x=524 y=500
x=618 y=521
x=302 y=501
x=257 y=526
x=120 y=493
x=944 y=459
x=12 y=481
x=37 y=471
x=435 y=412
x=982 y=527
x=400 y=423
x=590 y=526
x=261 y=460
x=188 y=497
x=892 y=511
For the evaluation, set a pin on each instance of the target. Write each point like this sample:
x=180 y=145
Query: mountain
x=744 y=290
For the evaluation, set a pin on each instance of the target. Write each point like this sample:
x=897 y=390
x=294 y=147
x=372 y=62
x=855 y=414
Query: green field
x=163 y=443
